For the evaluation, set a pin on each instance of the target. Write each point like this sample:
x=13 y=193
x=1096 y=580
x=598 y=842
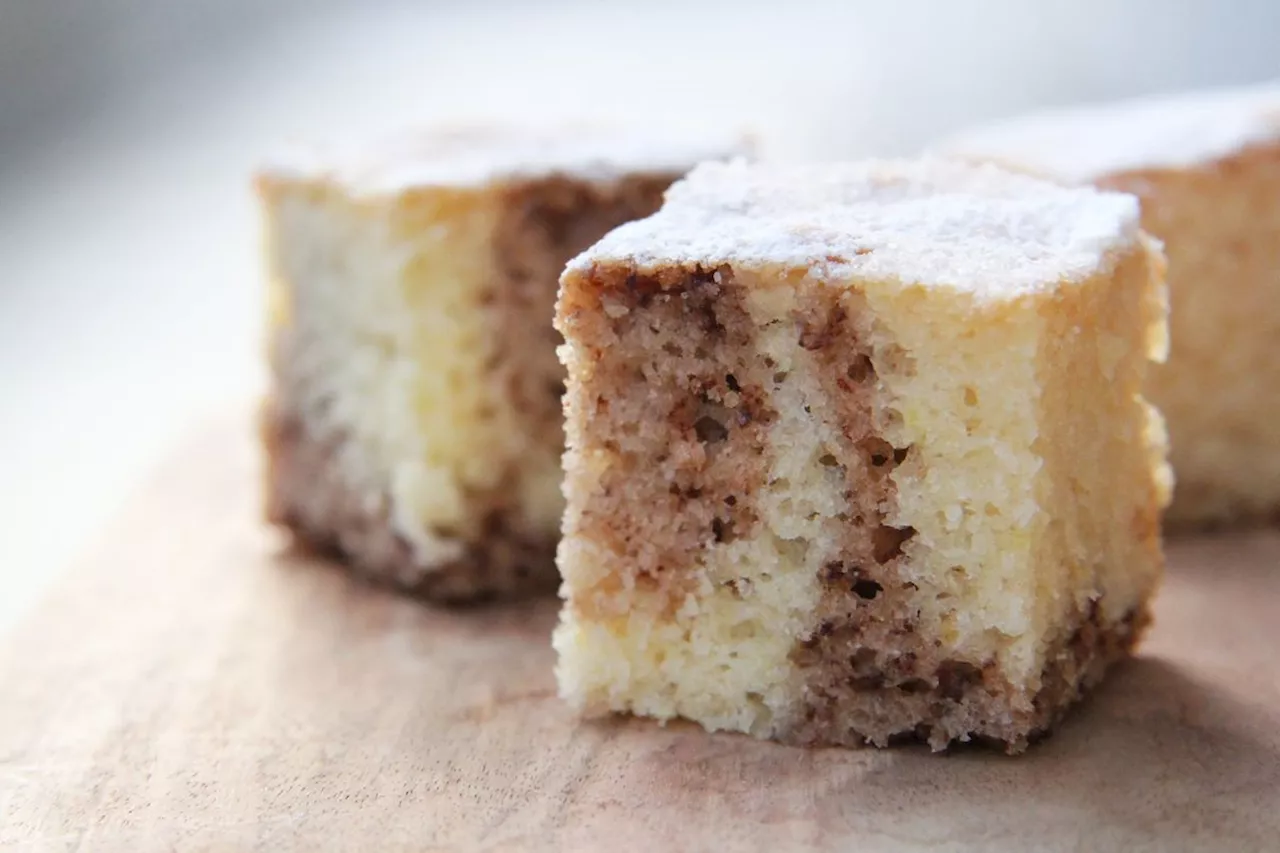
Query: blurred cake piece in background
x=1206 y=166
x=413 y=426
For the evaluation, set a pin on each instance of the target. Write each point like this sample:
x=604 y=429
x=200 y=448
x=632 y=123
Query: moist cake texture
x=1207 y=168
x=414 y=424
x=858 y=452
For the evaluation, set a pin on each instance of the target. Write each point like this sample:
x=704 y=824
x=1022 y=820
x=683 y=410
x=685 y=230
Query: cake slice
x=1206 y=166
x=858 y=452
x=414 y=423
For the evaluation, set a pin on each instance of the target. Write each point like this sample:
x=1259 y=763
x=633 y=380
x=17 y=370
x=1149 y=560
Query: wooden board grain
x=192 y=686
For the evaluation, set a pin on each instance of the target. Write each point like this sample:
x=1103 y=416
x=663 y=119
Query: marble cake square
x=858 y=452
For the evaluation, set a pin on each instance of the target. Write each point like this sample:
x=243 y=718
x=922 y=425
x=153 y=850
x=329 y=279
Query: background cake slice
x=414 y=421
x=858 y=452
x=1207 y=168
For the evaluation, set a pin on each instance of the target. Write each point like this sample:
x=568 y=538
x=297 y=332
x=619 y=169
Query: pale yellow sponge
x=1206 y=166
x=859 y=451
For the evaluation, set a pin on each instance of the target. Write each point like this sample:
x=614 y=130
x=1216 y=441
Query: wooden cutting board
x=194 y=686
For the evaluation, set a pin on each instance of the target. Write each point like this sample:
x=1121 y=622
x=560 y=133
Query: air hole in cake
x=914 y=685
x=970 y=397
x=879 y=452
x=900 y=454
x=707 y=320
x=722 y=530
x=866 y=588
x=957 y=677
x=862 y=369
x=672 y=349
x=732 y=382
x=863 y=659
x=709 y=430
x=814 y=337
x=691 y=493
x=887 y=542
x=871 y=681
x=779 y=377
x=732 y=500
x=827 y=460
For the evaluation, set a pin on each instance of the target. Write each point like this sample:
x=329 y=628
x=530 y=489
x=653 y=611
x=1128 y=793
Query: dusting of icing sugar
x=1082 y=144
x=932 y=221
x=483 y=154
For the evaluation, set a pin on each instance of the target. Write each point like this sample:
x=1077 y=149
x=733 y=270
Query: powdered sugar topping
x=931 y=221
x=1172 y=131
x=479 y=155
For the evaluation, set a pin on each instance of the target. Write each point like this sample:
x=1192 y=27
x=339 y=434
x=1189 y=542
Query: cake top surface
x=476 y=155
x=931 y=221
x=1168 y=131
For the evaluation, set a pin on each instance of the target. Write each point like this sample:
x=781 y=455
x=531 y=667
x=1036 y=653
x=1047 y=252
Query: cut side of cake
x=858 y=452
x=1206 y=167
x=414 y=423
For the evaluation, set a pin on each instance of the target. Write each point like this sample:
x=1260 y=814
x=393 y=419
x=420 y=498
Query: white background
x=129 y=286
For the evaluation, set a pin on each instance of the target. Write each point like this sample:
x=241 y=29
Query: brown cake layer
x=855 y=695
